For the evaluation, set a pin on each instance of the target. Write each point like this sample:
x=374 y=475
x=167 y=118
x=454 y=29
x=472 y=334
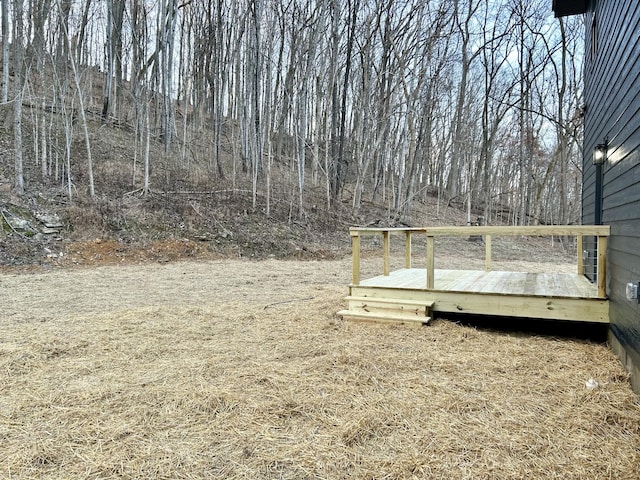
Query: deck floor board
x=505 y=283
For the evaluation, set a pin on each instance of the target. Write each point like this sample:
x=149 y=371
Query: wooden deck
x=505 y=283
x=413 y=295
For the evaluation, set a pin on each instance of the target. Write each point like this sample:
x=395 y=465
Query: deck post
x=430 y=263
x=579 y=252
x=407 y=249
x=355 y=242
x=385 y=253
x=602 y=266
x=487 y=253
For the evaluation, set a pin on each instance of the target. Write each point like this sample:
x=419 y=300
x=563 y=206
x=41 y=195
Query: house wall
x=612 y=99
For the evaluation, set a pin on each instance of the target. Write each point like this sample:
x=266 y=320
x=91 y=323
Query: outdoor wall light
x=600 y=154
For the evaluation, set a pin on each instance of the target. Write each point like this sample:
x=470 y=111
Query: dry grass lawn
x=241 y=370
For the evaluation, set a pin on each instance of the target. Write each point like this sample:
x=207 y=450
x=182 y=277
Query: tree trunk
x=5 y=50
x=83 y=117
x=19 y=79
x=17 y=135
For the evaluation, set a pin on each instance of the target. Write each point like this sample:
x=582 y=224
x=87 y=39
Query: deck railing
x=601 y=232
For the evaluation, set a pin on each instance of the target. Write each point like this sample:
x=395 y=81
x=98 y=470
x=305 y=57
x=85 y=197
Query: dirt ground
x=240 y=369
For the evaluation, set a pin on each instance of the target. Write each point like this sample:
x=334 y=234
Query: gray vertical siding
x=612 y=97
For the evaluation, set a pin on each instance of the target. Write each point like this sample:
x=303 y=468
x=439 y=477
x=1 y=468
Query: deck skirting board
x=576 y=309
x=493 y=304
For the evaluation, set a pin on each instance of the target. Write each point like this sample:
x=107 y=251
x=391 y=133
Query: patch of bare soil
x=238 y=369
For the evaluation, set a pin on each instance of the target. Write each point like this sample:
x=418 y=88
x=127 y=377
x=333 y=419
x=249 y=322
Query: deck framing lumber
x=372 y=318
x=406 y=293
x=580 y=252
x=602 y=266
x=534 y=231
x=430 y=262
x=355 y=242
x=593 y=310
x=407 y=249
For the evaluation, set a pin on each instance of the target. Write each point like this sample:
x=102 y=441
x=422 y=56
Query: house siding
x=612 y=114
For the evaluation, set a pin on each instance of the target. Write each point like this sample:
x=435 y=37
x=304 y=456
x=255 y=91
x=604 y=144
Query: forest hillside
x=256 y=128
x=181 y=216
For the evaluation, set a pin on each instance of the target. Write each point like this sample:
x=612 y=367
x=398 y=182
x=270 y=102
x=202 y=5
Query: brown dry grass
x=236 y=369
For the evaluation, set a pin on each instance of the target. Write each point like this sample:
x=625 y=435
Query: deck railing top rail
x=535 y=231
x=601 y=232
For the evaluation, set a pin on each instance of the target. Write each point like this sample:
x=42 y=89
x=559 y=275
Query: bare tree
x=497 y=45
x=81 y=50
x=374 y=100
x=5 y=50
x=19 y=82
x=340 y=160
x=166 y=25
x=113 y=53
x=80 y=97
x=460 y=144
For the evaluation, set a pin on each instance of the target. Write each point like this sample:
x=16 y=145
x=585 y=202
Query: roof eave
x=564 y=8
